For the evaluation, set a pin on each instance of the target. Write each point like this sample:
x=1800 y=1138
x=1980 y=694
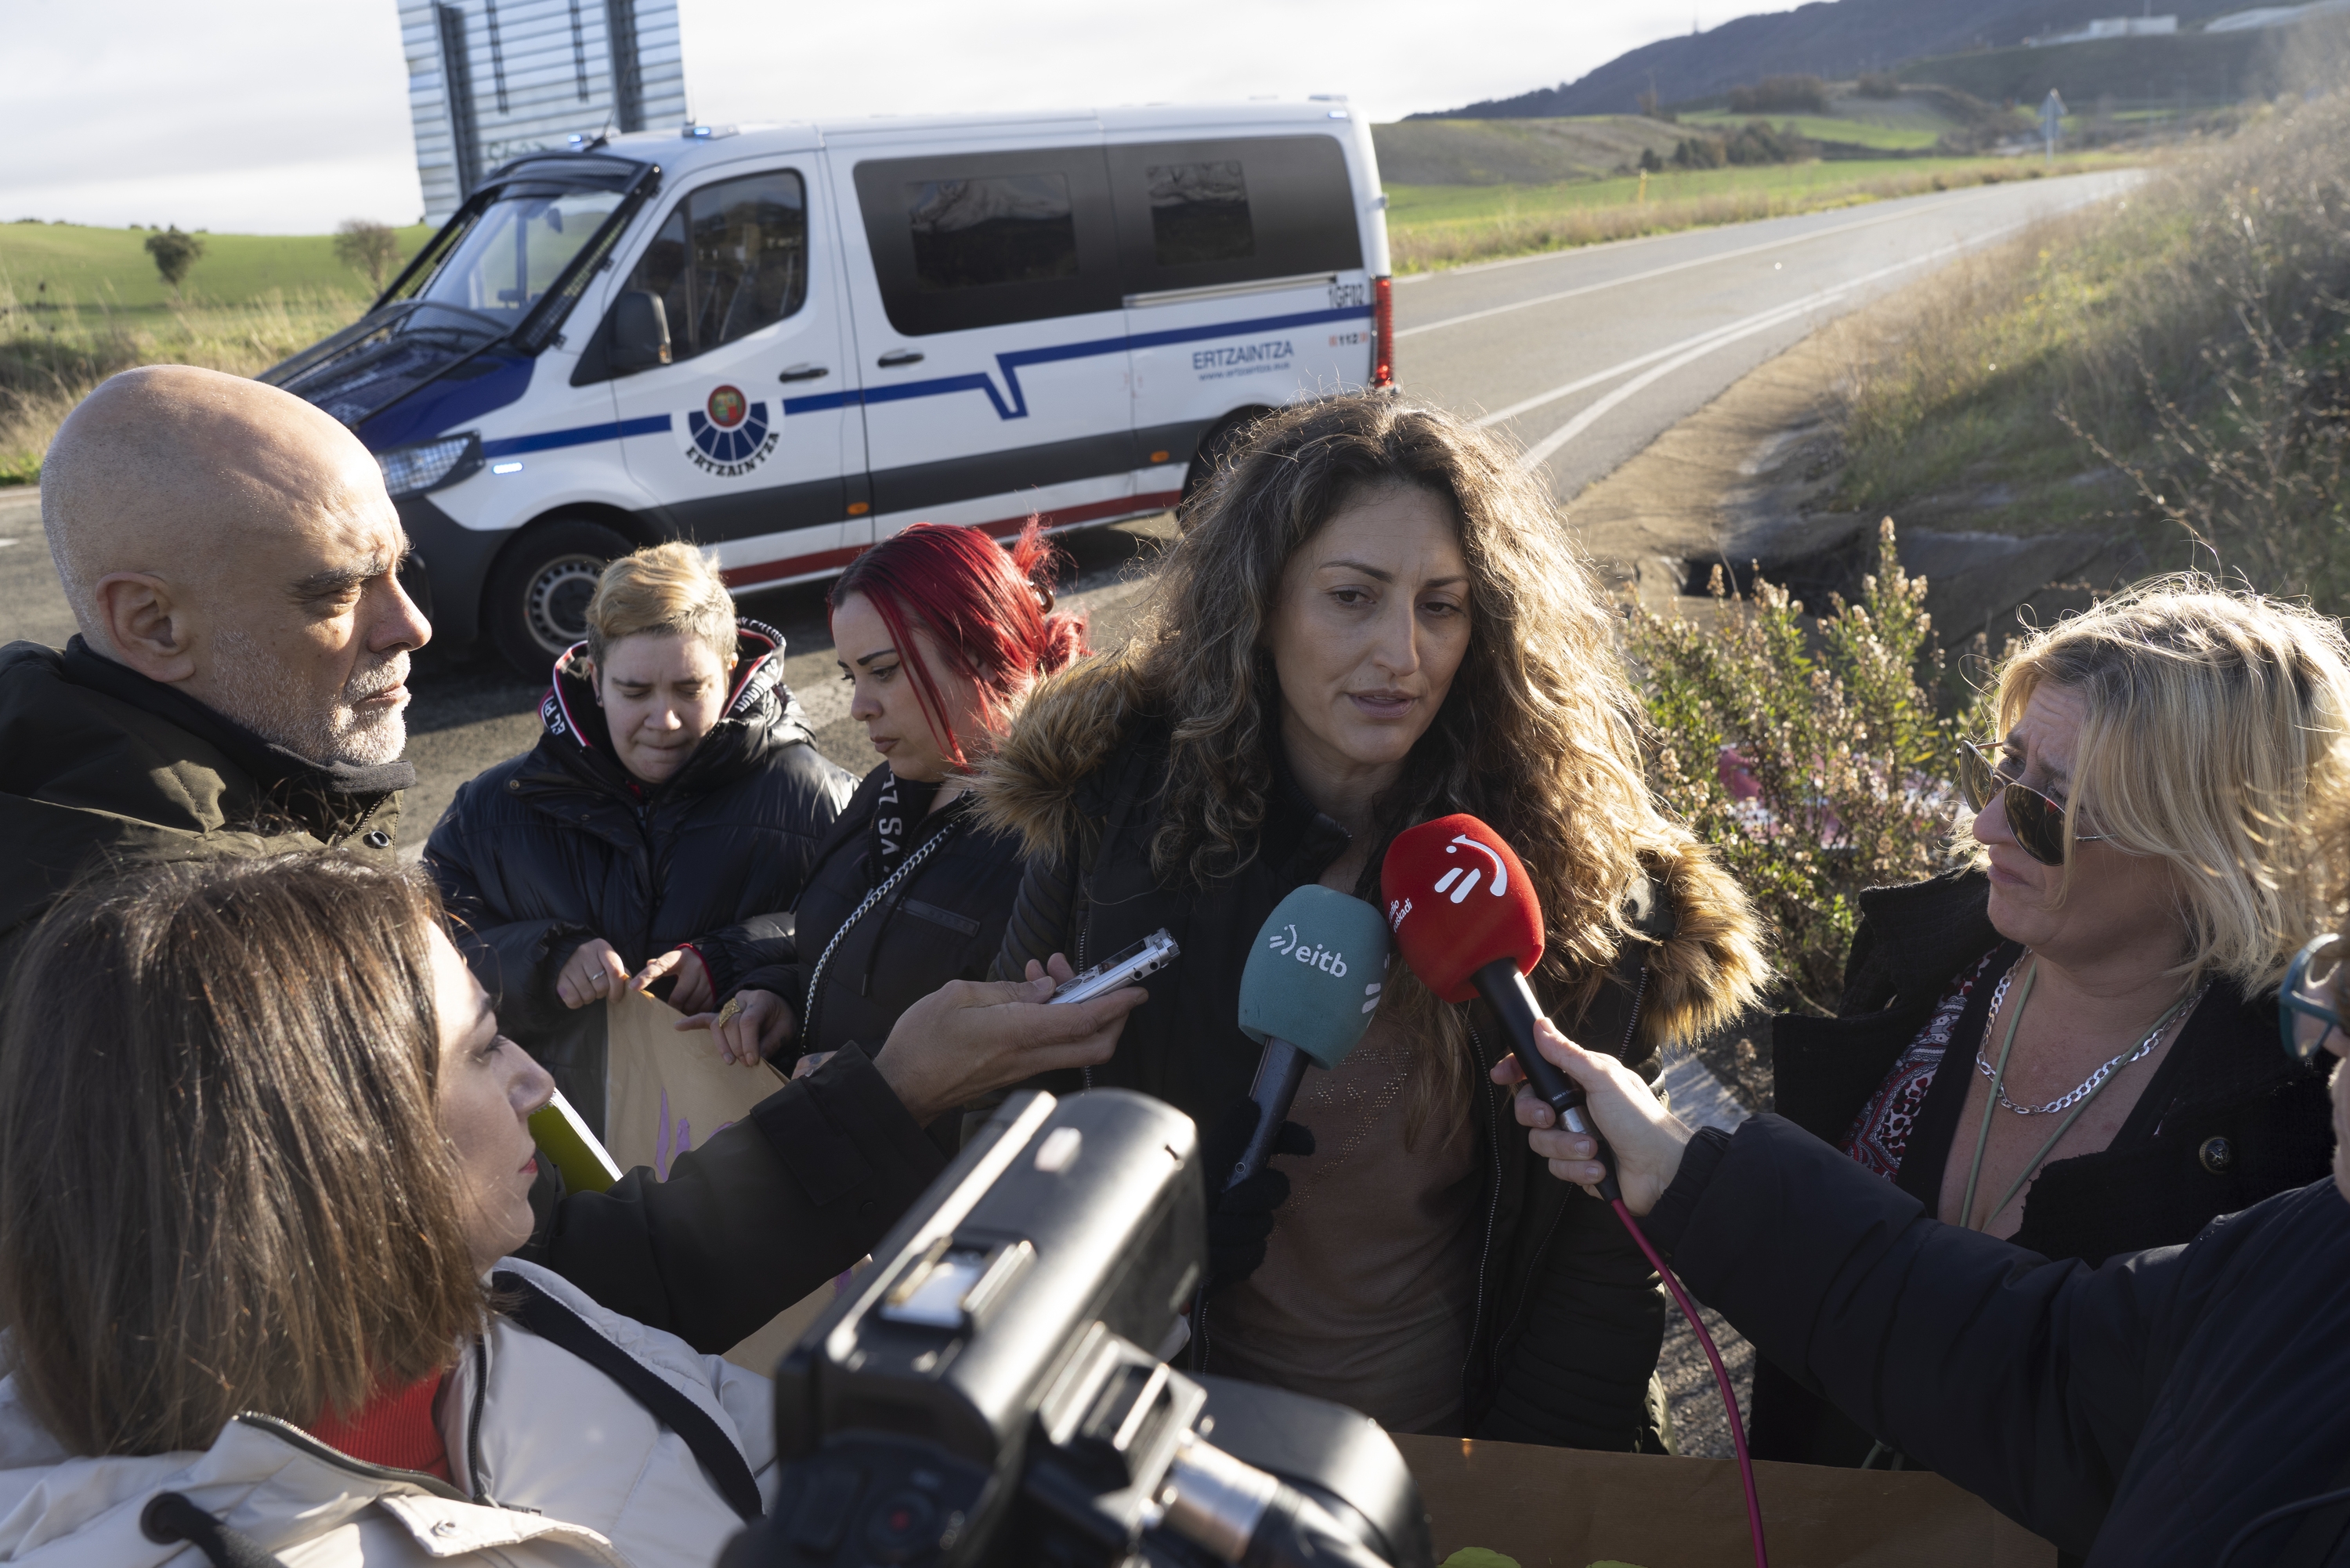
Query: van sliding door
x=990 y=335
x=1245 y=286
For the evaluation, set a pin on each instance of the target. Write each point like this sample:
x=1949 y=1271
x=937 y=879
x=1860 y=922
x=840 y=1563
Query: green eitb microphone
x=1308 y=991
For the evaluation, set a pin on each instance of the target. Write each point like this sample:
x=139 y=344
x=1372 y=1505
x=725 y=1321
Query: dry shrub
x=2193 y=343
x=54 y=350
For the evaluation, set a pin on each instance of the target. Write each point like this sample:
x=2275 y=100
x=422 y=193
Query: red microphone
x=1466 y=920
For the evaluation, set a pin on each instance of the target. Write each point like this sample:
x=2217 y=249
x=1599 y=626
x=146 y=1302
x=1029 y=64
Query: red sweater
x=395 y=1427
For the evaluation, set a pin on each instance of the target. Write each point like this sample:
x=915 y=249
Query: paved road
x=1583 y=357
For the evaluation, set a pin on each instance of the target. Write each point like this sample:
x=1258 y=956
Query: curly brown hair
x=1539 y=736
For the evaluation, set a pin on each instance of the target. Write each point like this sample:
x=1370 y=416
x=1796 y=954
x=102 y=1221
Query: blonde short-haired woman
x=676 y=790
x=2071 y=1041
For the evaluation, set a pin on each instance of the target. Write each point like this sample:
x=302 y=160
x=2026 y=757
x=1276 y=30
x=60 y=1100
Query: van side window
x=1199 y=212
x=976 y=239
x=1242 y=208
x=976 y=234
x=730 y=259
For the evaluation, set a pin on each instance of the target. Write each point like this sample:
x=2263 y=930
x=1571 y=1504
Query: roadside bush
x=1781 y=95
x=1810 y=755
x=1879 y=84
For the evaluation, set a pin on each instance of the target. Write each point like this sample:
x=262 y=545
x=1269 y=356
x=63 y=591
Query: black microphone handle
x=1505 y=991
x=1278 y=1073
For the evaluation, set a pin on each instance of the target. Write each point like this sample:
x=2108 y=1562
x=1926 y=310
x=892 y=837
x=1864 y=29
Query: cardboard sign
x=666 y=1092
x=1566 y=1508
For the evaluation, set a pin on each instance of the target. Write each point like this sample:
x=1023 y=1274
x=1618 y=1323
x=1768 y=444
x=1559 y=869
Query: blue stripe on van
x=579 y=435
x=941 y=386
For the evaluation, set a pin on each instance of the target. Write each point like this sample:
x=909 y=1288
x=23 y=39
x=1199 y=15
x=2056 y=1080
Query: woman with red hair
x=942 y=632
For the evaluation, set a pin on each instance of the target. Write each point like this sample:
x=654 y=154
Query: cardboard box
x=1564 y=1508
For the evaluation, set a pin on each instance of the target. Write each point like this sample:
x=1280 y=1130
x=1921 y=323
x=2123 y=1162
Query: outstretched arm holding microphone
x=2183 y=1405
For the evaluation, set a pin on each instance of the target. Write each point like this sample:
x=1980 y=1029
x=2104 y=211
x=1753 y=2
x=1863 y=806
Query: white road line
x=1682 y=267
x=1543 y=450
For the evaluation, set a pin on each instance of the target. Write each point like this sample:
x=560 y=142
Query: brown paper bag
x=667 y=1092
x=1564 y=1508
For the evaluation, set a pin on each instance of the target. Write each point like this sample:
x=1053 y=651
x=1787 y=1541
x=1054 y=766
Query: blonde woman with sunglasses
x=2070 y=1042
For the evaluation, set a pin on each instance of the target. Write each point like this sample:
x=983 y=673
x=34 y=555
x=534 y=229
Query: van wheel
x=1214 y=447
x=536 y=602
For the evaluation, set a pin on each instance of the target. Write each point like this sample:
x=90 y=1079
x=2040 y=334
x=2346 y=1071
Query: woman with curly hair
x=1373 y=619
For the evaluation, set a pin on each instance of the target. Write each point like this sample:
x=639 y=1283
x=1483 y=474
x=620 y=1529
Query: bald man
x=240 y=678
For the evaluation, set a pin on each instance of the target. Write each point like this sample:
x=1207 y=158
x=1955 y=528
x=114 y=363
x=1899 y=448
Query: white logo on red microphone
x=1501 y=883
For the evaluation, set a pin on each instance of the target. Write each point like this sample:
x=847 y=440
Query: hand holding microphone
x=1646 y=1139
x=1465 y=914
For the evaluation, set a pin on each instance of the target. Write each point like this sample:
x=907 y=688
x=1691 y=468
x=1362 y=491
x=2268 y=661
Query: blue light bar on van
x=429 y=465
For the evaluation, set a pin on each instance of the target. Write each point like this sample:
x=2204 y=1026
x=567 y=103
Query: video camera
x=983 y=1395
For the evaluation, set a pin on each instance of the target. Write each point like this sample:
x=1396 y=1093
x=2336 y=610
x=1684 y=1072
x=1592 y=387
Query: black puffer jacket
x=1568 y=1315
x=2143 y=1413
x=561 y=845
x=99 y=764
x=2226 y=1121
x=942 y=921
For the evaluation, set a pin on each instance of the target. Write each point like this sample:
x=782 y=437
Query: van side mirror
x=640 y=332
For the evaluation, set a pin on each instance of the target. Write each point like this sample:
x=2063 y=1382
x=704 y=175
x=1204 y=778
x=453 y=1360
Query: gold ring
x=730 y=1012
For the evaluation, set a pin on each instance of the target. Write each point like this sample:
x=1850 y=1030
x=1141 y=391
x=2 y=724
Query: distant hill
x=1834 y=39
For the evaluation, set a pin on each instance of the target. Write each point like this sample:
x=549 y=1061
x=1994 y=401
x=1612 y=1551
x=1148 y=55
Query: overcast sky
x=288 y=115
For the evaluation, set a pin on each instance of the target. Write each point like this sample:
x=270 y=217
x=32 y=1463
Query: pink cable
x=1721 y=1377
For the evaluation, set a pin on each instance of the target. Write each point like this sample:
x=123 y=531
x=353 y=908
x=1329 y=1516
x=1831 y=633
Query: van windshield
x=516 y=251
x=493 y=270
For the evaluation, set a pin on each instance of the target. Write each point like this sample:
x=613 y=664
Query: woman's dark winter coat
x=2143 y=1412
x=2226 y=1121
x=942 y=921
x=562 y=844
x=1569 y=1316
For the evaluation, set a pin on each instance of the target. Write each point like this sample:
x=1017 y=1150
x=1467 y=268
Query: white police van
x=785 y=343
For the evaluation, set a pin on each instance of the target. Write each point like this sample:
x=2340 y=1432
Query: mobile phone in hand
x=1149 y=956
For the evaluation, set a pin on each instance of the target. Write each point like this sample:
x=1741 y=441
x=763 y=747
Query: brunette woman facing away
x=1374 y=618
x=677 y=790
x=940 y=632
x=2071 y=1042
x=263 y=1155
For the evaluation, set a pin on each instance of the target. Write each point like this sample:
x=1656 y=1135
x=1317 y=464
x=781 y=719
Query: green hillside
x=56 y=265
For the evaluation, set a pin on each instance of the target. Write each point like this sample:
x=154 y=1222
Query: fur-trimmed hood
x=1050 y=781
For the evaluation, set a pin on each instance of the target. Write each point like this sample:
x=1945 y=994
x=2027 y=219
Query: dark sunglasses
x=2037 y=822
x=2307 y=1013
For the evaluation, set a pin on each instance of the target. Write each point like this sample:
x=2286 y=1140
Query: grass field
x=57 y=264
x=79 y=304
x=1432 y=226
x=1878 y=135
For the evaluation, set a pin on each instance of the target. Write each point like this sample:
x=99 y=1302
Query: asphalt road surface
x=1581 y=358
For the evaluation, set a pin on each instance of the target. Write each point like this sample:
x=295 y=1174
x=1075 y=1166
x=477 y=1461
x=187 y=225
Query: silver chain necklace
x=2089 y=1086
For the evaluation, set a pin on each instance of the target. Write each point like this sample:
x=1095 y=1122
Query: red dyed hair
x=990 y=608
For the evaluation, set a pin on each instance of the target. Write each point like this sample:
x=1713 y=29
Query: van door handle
x=899 y=357
x=804 y=372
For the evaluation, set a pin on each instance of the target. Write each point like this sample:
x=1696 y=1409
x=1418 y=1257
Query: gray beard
x=260 y=694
